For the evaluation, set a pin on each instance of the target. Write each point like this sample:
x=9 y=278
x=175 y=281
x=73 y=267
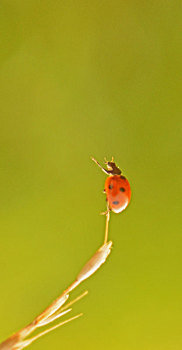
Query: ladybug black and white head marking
x=112 y=169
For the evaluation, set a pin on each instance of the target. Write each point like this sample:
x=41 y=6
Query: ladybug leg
x=107 y=212
x=104 y=170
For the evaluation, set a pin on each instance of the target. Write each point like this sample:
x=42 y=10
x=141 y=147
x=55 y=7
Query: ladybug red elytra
x=117 y=187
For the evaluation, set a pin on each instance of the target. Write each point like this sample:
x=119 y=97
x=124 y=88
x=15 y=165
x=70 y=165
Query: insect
x=117 y=187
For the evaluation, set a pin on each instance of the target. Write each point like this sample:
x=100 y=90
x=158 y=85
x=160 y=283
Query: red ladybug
x=117 y=187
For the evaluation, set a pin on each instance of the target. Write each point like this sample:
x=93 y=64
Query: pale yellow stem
x=107 y=226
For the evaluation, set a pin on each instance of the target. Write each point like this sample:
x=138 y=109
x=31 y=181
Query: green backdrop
x=82 y=78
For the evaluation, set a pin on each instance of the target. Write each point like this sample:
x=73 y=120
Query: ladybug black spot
x=123 y=177
x=115 y=202
x=122 y=189
x=110 y=186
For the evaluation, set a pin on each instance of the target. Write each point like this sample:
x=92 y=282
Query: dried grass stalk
x=56 y=310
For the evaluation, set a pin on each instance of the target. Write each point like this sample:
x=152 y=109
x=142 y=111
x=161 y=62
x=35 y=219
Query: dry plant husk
x=60 y=306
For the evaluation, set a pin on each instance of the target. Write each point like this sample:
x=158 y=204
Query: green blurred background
x=82 y=78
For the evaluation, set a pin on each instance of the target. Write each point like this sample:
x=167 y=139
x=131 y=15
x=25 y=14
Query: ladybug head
x=112 y=168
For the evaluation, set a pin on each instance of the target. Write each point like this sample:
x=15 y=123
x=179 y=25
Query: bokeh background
x=82 y=78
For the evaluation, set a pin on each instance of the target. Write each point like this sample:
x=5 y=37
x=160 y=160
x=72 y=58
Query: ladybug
x=117 y=187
